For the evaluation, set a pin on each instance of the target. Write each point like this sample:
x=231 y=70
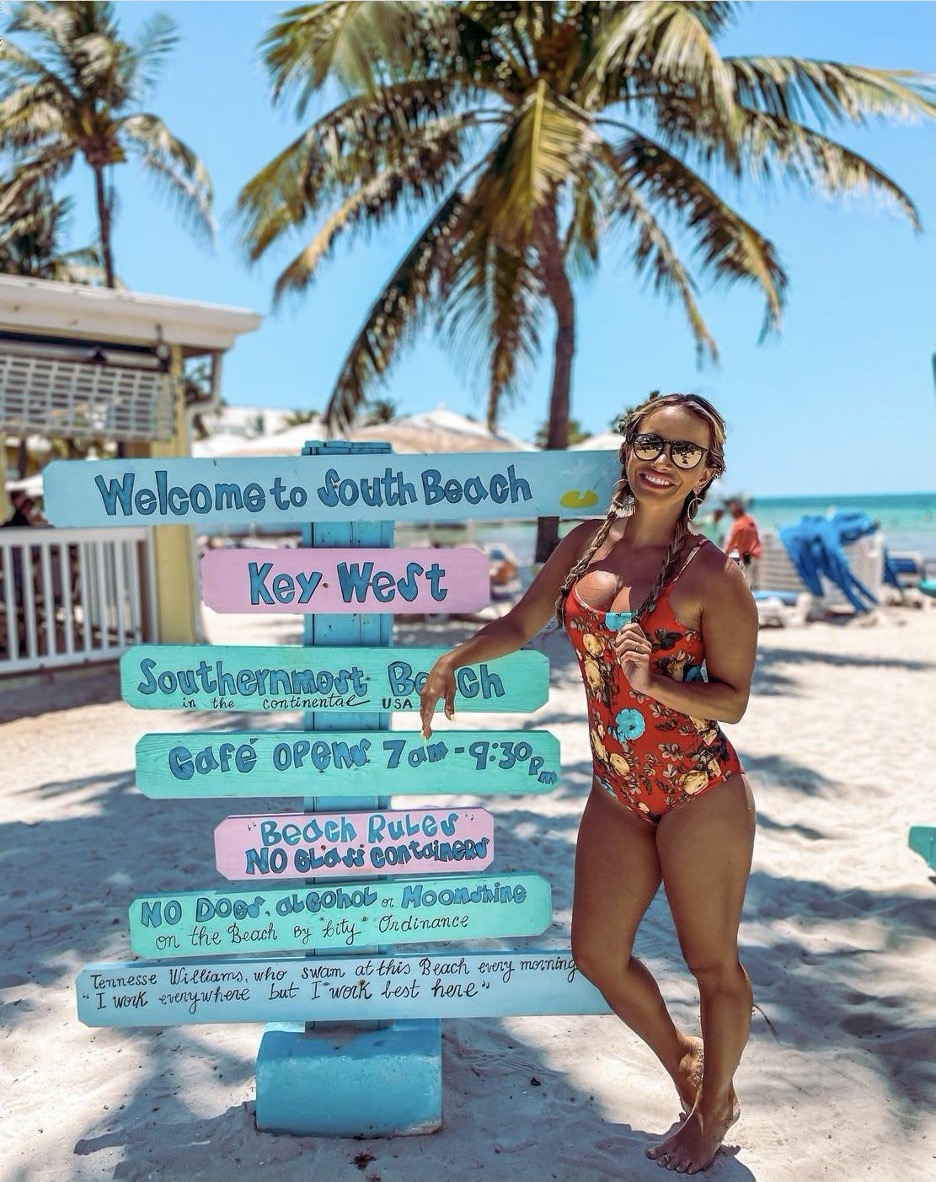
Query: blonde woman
x=665 y=630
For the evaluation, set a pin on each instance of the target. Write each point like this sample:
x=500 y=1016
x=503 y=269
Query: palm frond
x=420 y=173
x=586 y=223
x=545 y=141
x=393 y=319
x=666 y=41
x=816 y=162
x=361 y=44
x=656 y=258
x=491 y=304
x=727 y=246
x=181 y=171
x=795 y=88
x=25 y=72
x=413 y=151
x=371 y=187
x=154 y=42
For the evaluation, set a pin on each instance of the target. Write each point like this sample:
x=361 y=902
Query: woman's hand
x=439 y=684
x=633 y=651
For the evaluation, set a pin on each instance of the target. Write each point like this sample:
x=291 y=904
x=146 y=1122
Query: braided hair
x=622 y=500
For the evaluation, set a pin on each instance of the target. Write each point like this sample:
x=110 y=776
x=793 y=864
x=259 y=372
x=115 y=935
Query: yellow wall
x=177 y=586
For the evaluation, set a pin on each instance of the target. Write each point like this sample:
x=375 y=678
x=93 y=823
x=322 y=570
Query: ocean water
x=908 y=521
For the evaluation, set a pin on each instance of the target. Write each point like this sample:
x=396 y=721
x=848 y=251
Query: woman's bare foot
x=689 y=1075
x=694 y=1144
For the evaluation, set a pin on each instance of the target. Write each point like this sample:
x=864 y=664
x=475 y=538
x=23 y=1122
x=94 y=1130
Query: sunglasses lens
x=685 y=454
x=647 y=447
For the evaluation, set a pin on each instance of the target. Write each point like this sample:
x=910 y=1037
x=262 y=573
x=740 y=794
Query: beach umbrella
x=606 y=441
x=439 y=430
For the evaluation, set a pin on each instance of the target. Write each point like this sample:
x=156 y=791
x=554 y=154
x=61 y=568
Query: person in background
x=743 y=539
x=713 y=526
x=23 y=510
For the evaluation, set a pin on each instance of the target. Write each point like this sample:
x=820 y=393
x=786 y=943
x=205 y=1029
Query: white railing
x=71 y=596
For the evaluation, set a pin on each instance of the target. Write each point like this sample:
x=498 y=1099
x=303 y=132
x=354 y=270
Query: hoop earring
x=693 y=507
x=620 y=495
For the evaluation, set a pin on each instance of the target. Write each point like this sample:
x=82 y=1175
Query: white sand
x=838 y=938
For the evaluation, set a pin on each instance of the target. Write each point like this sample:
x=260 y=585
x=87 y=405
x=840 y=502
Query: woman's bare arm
x=729 y=631
x=531 y=613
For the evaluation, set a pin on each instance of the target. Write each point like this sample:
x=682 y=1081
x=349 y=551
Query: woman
x=645 y=602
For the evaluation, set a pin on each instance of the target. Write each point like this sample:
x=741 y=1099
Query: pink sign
x=342 y=845
x=389 y=580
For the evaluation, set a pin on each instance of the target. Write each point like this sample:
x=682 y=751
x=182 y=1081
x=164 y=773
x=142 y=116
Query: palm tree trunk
x=492 y=409
x=104 y=223
x=559 y=290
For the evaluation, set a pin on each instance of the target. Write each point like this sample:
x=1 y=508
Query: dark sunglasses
x=683 y=452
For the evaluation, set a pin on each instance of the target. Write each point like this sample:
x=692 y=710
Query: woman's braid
x=622 y=494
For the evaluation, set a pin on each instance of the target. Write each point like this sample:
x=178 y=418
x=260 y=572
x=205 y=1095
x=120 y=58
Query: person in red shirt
x=743 y=539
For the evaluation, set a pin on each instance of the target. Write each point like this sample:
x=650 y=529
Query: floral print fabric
x=649 y=757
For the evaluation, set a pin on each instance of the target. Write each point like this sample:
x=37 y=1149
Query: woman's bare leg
x=705 y=856
x=617 y=873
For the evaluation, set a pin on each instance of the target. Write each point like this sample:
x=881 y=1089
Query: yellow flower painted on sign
x=576 y=498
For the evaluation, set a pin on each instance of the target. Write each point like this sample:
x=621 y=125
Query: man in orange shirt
x=743 y=539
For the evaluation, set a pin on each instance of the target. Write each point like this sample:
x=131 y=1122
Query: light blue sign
x=333 y=680
x=346 y=763
x=449 y=984
x=343 y=916
x=450 y=487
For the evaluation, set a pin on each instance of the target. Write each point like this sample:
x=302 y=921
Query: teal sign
x=337 y=680
x=449 y=984
x=329 y=488
x=345 y=763
x=343 y=917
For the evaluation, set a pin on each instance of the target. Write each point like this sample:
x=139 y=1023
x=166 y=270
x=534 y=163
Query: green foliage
x=71 y=88
x=380 y=410
x=299 y=418
x=32 y=234
x=577 y=434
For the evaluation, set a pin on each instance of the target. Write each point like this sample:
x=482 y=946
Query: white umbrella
x=608 y=441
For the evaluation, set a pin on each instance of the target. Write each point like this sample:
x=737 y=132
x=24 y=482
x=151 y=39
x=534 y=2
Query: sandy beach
x=838 y=1081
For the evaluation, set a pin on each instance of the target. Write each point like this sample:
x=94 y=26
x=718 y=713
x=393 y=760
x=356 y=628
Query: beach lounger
x=781 y=596
x=784 y=608
x=905 y=572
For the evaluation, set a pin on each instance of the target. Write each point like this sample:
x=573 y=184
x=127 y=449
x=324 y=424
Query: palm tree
x=77 y=95
x=524 y=132
x=31 y=239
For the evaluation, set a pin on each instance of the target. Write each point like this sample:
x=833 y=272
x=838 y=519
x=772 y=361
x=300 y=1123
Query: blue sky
x=841 y=402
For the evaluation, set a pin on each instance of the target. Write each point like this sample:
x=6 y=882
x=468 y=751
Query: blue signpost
x=354 y=1048
x=385 y=1077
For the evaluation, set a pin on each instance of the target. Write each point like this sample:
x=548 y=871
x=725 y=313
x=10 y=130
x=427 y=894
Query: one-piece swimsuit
x=649 y=757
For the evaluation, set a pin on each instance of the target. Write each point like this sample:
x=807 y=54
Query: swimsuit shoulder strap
x=693 y=551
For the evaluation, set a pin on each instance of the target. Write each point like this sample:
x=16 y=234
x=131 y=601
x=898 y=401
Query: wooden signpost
x=354 y=845
x=415 y=580
x=345 y=763
x=340 y=917
x=368 y=875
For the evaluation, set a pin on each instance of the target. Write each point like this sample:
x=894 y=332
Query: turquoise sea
x=908 y=521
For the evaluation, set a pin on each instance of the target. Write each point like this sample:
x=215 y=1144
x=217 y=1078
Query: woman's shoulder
x=710 y=568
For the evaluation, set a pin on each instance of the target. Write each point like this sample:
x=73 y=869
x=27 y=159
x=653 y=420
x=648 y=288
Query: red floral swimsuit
x=651 y=758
